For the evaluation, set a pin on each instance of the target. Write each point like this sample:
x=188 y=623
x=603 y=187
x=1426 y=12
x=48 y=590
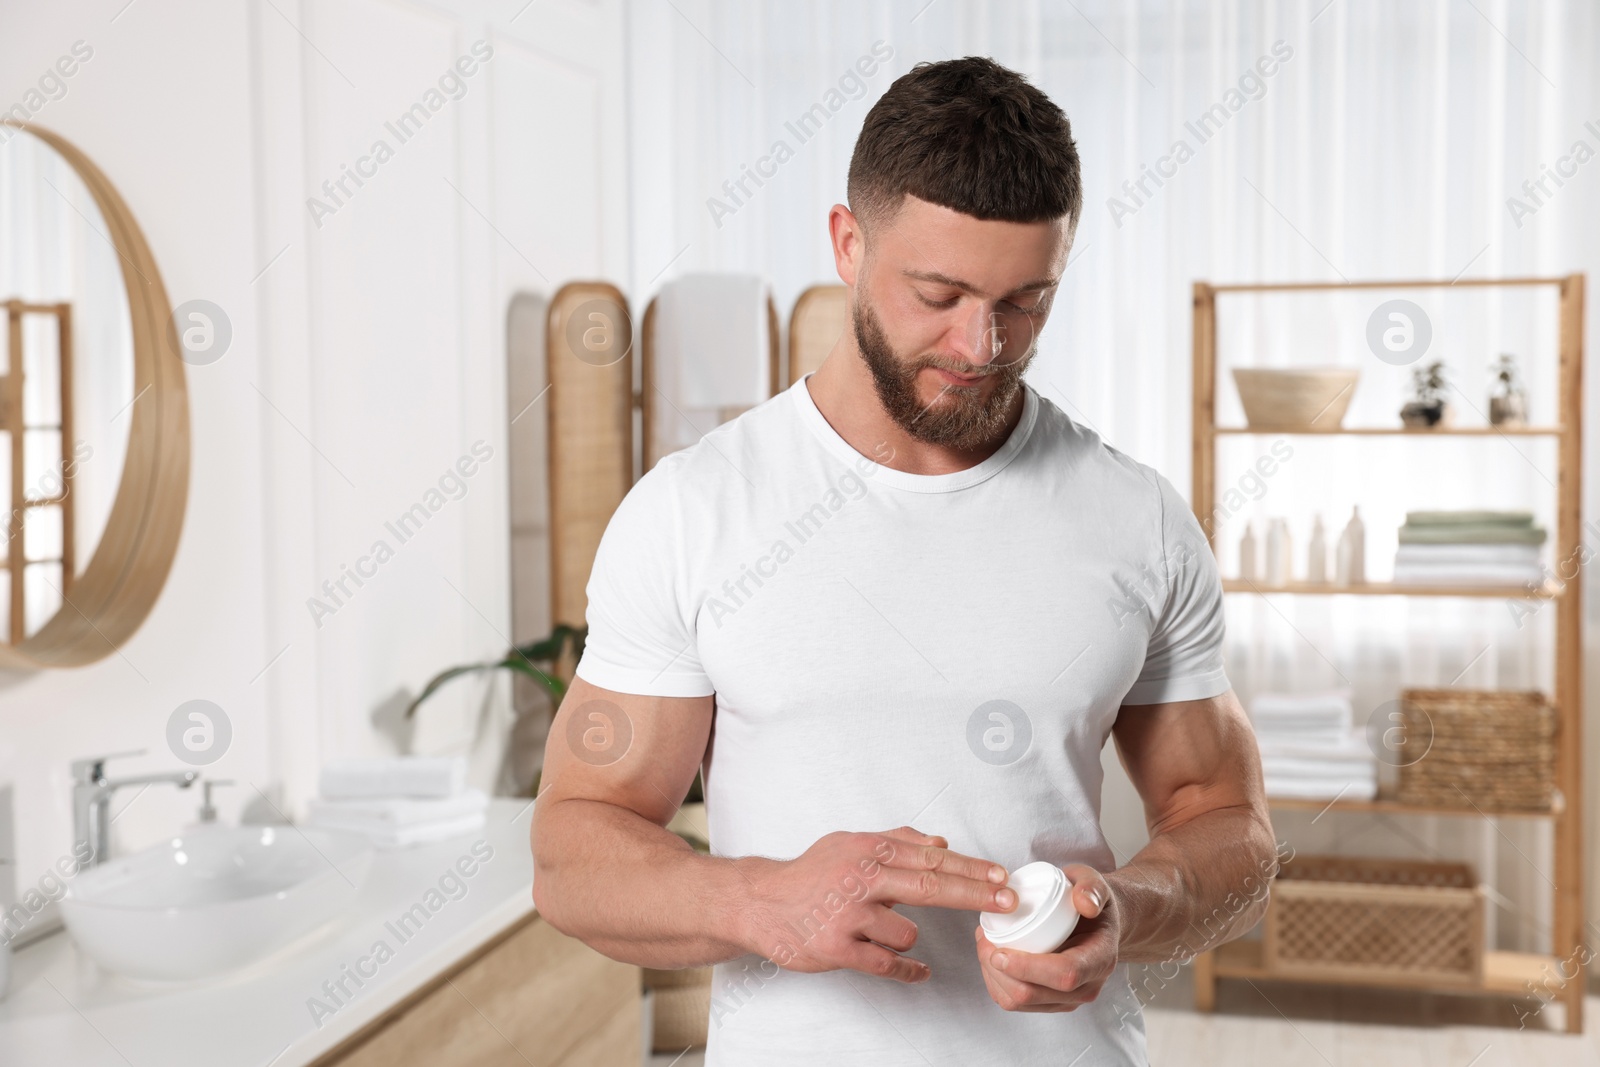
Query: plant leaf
x=524 y=659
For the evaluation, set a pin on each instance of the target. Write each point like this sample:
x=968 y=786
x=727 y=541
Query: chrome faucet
x=91 y=801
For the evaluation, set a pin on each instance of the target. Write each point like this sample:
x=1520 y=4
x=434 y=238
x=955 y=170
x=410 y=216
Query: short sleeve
x=1183 y=660
x=641 y=630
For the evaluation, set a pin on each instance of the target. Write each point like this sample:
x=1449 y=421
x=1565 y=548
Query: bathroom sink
x=213 y=900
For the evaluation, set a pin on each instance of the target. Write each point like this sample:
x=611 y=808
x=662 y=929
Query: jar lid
x=1041 y=890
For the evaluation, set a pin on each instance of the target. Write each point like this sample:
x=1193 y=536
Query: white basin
x=214 y=900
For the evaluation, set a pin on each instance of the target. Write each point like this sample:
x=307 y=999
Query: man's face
x=947 y=309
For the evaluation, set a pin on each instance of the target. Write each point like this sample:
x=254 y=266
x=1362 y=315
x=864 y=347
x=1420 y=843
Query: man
x=894 y=614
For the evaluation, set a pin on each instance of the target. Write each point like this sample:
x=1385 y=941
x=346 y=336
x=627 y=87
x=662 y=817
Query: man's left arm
x=1202 y=879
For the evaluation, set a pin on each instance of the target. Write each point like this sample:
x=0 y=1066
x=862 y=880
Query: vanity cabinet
x=532 y=997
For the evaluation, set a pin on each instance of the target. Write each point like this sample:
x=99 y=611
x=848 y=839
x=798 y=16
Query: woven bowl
x=1312 y=398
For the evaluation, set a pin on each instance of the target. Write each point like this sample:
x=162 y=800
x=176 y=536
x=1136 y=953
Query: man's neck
x=843 y=391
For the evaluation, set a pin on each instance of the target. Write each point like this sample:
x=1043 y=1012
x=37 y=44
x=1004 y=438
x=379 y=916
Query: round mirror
x=94 y=421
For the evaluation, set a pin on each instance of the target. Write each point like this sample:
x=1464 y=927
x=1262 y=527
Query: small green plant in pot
x=1427 y=408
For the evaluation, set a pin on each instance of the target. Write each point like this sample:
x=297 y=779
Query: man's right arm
x=607 y=871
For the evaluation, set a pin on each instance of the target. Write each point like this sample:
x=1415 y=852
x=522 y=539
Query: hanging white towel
x=711 y=340
x=712 y=356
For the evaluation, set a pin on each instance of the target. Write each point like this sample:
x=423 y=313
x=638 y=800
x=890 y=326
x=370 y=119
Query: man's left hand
x=1073 y=974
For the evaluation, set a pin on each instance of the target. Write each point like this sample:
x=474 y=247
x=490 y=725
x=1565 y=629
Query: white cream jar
x=1044 y=916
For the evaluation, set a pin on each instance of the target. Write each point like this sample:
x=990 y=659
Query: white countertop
x=63 y=1010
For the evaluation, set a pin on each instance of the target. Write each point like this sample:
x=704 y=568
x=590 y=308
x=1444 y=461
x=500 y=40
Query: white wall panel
x=368 y=357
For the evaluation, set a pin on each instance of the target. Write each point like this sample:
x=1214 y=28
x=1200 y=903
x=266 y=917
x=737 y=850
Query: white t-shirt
x=946 y=651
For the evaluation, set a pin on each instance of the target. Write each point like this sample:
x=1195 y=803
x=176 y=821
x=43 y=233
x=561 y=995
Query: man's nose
x=983 y=337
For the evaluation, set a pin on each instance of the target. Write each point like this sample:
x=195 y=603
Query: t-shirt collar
x=917 y=483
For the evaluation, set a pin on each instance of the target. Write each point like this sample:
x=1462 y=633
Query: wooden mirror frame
x=114 y=593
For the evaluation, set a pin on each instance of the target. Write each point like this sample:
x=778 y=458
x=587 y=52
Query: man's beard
x=967 y=421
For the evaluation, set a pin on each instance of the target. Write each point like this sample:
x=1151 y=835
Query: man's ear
x=849 y=243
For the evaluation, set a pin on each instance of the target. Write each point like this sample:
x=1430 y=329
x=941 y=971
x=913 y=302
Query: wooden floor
x=1261 y=1023
x=1268 y=1024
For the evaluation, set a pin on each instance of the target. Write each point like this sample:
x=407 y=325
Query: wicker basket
x=682 y=1008
x=1384 y=921
x=1483 y=749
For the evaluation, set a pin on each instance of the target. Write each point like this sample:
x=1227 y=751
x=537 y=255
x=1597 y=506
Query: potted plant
x=1427 y=407
x=544 y=661
x=1508 y=402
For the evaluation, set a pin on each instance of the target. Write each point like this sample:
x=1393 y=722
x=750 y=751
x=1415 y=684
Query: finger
x=1005 y=991
x=913 y=836
x=934 y=889
x=1013 y=995
x=889 y=928
x=1086 y=963
x=921 y=857
x=879 y=962
x=1090 y=892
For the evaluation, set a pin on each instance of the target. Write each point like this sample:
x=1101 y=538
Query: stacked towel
x=1301 y=718
x=1309 y=747
x=1469 y=548
x=396 y=802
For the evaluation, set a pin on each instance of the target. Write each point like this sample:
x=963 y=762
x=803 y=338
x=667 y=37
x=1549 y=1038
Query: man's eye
x=1031 y=309
x=949 y=302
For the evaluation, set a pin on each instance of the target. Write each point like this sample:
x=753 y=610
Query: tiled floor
x=1273 y=1024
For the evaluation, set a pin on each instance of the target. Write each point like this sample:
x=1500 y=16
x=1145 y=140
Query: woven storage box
x=1389 y=922
x=1485 y=749
x=682 y=1008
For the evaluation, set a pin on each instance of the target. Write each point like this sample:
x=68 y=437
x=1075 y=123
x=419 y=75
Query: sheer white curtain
x=1356 y=139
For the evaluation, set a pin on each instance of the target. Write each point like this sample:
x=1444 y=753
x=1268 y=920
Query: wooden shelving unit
x=1504 y=973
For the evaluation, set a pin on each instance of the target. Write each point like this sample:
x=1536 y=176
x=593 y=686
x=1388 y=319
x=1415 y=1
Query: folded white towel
x=1336 y=726
x=1309 y=739
x=1332 y=703
x=1322 y=788
x=400 y=776
x=1517 y=574
x=1347 y=746
x=1319 y=720
x=1280 y=767
x=392 y=812
x=414 y=834
x=1467 y=553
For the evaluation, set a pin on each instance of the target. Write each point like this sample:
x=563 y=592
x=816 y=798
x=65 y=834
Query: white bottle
x=1317 y=557
x=1249 y=557
x=1351 y=567
x=1279 y=554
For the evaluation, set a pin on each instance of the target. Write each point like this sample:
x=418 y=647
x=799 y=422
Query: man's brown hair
x=969 y=135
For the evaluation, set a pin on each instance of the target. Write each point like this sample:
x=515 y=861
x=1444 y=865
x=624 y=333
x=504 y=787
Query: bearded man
x=893 y=614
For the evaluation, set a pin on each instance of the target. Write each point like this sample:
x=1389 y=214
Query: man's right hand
x=831 y=908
